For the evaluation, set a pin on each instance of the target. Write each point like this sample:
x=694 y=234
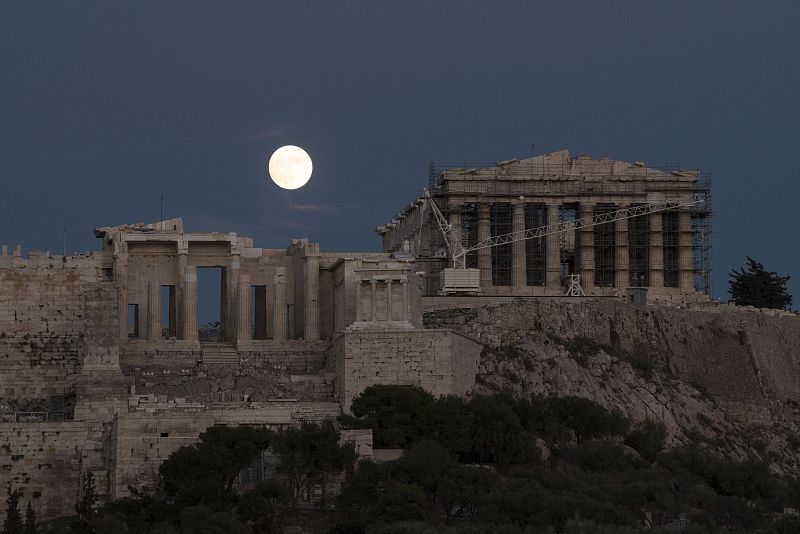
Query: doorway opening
x=133 y=320
x=211 y=303
x=258 y=312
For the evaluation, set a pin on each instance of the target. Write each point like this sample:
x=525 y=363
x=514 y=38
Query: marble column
x=279 y=305
x=374 y=308
x=311 y=329
x=656 y=250
x=190 y=305
x=153 y=311
x=586 y=247
x=622 y=275
x=686 y=255
x=484 y=254
x=455 y=223
x=359 y=311
x=553 y=248
x=519 y=272
x=243 y=315
x=389 y=300
x=230 y=295
x=406 y=300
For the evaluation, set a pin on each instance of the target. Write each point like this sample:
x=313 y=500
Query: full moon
x=290 y=167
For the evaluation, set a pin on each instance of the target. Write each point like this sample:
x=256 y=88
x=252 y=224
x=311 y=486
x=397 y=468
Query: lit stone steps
x=220 y=354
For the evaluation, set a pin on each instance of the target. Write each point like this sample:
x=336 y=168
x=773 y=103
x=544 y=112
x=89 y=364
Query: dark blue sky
x=104 y=106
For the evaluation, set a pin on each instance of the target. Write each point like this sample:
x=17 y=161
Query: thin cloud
x=271 y=134
x=321 y=208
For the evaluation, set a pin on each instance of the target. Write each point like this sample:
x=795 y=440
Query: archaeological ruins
x=667 y=252
x=105 y=368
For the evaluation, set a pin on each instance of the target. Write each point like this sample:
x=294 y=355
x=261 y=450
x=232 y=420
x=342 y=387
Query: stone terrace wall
x=44 y=461
x=270 y=370
x=441 y=361
x=748 y=360
x=141 y=441
x=42 y=326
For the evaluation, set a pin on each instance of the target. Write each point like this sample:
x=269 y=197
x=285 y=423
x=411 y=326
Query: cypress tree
x=13 y=522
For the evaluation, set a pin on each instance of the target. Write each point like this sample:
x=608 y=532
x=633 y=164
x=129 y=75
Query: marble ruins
x=106 y=370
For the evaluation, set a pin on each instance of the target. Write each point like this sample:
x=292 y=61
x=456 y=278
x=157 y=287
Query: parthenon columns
x=484 y=254
x=455 y=222
x=622 y=268
x=553 y=248
x=686 y=261
x=518 y=264
x=585 y=242
x=656 y=250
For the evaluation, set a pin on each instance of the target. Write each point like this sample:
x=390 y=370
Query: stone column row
x=686 y=251
x=519 y=273
x=656 y=251
x=585 y=246
x=584 y=251
x=372 y=289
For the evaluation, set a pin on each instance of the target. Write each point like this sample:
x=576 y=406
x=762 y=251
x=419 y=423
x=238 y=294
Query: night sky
x=105 y=106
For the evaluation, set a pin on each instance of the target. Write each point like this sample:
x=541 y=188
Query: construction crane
x=461 y=279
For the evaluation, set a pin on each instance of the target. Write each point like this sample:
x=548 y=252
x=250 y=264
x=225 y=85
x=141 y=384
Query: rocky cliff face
x=729 y=378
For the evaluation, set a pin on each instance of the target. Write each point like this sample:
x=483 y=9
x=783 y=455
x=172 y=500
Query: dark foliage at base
x=475 y=466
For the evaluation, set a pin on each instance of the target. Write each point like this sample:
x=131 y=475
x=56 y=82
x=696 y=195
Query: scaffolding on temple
x=569 y=180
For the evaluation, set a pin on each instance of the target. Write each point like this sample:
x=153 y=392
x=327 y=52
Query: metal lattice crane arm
x=459 y=256
x=454 y=246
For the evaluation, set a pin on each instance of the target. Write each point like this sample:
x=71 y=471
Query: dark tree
x=87 y=506
x=309 y=453
x=393 y=412
x=264 y=507
x=204 y=473
x=753 y=285
x=30 y=520
x=13 y=522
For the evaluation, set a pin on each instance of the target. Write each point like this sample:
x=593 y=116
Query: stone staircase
x=220 y=354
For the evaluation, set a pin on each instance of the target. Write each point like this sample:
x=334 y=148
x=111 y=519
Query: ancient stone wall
x=441 y=361
x=43 y=327
x=141 y=440
x=45 y=461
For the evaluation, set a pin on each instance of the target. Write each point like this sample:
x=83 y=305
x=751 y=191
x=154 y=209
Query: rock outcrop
x=729 y=378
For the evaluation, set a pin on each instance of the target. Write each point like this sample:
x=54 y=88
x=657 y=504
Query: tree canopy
x=753 y=285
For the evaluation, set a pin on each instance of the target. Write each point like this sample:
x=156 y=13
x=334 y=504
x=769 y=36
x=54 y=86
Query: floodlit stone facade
x=666 y=252
x=106 y=369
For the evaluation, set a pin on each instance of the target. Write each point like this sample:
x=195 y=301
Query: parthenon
x=667 y=252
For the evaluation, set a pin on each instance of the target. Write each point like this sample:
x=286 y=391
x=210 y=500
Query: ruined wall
x=42 y=327
x=44 y=461
x=271 y=370
x=748 y=360
x=441 y=361
x=140 y=441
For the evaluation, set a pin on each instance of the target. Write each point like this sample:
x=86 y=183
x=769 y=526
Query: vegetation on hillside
x=486 y=464
x=547 y=465
x=753 y=285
